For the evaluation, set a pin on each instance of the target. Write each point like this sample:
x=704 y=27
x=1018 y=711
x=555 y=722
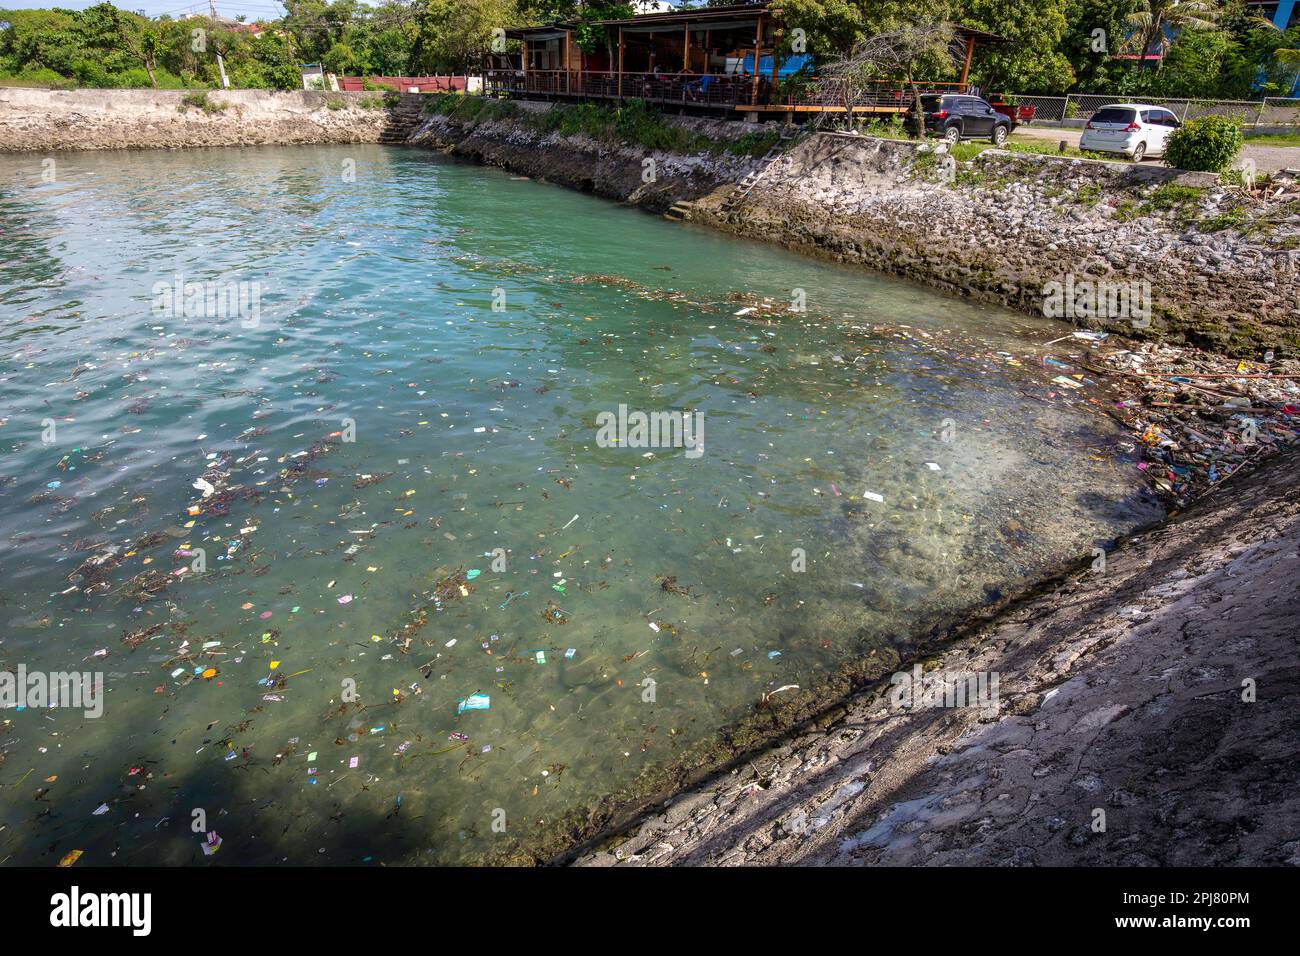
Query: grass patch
x=1126 y=210
x=893 y=128
x=634 y=124
x=1274 y=139
x=475 y=108
x=1228 y=219
x=336 y=103
x=753 y=144
x=200 y=101
x=1172 y=197
x=1089 y=194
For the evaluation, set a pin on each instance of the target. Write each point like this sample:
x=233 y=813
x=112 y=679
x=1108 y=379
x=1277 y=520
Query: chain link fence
x=1047 y=109
x=1271 y=111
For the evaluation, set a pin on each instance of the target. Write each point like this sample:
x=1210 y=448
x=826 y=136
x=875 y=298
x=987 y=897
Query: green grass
x=1173 y=197
x=200 y=101
x=634 y=124
x=476 y=108
x=753 y=144
x=1274 y=139
x=968 y=149
x=1089 y=194
x=1228 y=219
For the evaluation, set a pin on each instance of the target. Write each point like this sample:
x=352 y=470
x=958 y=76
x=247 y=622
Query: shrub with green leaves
x=1207 y=144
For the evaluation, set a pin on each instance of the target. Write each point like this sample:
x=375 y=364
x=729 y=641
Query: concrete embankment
x=1188 y=260
x=45 y=120
x=1147 y=714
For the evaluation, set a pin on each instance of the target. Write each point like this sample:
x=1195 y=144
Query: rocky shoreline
x=1147 y=716
x=1221 y=264
x=1205 y=264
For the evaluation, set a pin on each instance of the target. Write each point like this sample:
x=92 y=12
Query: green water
x=474 y=429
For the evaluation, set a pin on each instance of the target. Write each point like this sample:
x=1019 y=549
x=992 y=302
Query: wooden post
x=686 y=47
x=758 y=49
x=776 y=72
x=568 y=42
x=965 y=69
x=620 y=63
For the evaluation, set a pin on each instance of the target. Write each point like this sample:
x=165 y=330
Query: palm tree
x=1284 y=56
x=1149 y=21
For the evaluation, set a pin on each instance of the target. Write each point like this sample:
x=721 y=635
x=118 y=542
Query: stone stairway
x=402 y=120
x=679 y=210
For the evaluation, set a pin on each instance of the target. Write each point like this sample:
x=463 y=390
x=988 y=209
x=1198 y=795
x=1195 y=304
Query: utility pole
x=221 y=62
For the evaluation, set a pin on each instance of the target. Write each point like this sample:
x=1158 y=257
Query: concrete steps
x=402 y=120
x=679 y=210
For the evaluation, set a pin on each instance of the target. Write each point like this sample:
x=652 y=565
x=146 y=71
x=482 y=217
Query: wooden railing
x=710 y=89
x=885 y=95
x=687 y=89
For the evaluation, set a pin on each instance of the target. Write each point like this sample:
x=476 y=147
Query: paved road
x=1268 y=159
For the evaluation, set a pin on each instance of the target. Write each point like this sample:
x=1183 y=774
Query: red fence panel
x=425 y=84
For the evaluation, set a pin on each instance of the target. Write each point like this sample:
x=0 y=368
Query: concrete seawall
x=45 y=120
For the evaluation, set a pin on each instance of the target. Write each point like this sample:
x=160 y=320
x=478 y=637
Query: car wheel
x=1139 y=151
x=999 y=135
x=952 y=136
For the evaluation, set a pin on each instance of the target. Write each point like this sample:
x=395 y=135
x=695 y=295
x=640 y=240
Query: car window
x=931 y=103
x=1113 y=114
x=1146 y=116
x=1164 y=118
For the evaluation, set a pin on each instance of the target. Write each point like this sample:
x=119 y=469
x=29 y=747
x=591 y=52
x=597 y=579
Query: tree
x=589 y=35
x=107 y=26
x=1150 y=20
x=903 y=53
x=453 y=34
x=1032 y=60
x=1277 y=50
x=1095 y=32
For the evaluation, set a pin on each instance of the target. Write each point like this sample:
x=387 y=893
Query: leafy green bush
x=754 y=144
x=1207 y=144
x=37 y=77
x=200 y=101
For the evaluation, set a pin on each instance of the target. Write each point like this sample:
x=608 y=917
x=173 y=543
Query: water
x=380 y=427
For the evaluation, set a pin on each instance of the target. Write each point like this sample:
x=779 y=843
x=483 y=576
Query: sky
x=251 y=9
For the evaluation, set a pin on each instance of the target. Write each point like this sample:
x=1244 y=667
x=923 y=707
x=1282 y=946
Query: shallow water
x=376 y=426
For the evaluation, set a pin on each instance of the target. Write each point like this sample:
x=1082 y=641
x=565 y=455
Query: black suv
x=958 y=116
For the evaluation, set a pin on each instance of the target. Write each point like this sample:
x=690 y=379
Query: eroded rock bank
x=531 y=139
x=1194 y=261
x=1147 y=715
x=45 y=120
